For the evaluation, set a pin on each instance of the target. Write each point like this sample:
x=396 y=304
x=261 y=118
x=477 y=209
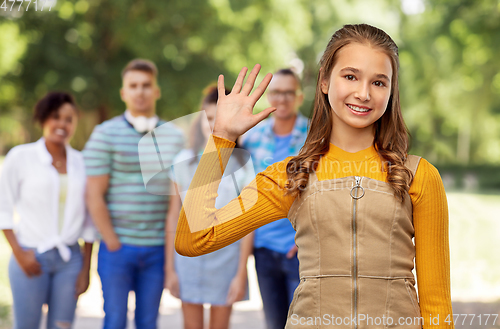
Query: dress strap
x=312 y=178
x=412 y=162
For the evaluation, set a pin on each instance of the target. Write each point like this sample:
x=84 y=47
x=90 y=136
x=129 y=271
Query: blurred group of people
x=63 y=196
x=363 y=212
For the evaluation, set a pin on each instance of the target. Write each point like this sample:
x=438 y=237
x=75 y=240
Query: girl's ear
x=324 y=87
x=324 y=82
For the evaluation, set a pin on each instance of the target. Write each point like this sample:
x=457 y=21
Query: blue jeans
x=137 y=268
x=278 y=278
x=55 y=287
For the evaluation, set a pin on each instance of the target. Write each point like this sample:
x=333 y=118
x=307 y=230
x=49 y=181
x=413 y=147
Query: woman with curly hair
x=45 y=183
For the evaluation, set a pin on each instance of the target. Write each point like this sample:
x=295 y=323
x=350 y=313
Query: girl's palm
x=235 y=111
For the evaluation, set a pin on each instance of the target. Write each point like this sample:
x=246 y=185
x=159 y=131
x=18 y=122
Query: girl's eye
x=350 y=77
x=379 y=84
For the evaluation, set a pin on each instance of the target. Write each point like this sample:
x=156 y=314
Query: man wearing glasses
x=271 y=141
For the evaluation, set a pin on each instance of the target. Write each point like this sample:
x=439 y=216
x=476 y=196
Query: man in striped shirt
x=130 y=220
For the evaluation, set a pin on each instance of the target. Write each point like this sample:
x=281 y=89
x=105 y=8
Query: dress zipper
x=355 y=197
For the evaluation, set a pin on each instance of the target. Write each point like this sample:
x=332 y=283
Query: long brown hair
x=391 y=134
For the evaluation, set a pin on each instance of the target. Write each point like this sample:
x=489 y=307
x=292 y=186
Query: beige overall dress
x=356 y=255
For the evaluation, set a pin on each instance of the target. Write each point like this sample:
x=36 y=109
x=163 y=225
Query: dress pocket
x=412 y=294
x=295 y=297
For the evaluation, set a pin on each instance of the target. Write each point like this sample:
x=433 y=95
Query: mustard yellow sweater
x=202 y=228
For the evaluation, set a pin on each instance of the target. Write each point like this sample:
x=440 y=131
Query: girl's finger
x=239 y=80
x=262 y=115
x=220 y=86
x=251 y=80
x=259 y=91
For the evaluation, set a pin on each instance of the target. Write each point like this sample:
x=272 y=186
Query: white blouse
x=30 y=185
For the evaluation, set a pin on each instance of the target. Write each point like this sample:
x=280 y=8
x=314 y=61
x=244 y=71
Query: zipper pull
x=357 y=180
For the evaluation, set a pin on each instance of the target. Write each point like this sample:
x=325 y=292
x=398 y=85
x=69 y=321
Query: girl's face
x=208 y=127
x=60 y=125
x=359 y=86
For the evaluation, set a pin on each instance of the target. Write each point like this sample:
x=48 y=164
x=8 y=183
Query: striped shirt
x=137 y=215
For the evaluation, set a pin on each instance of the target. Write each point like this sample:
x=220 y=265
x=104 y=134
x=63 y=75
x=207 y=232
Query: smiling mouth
x=358 y=109
x=60 y=132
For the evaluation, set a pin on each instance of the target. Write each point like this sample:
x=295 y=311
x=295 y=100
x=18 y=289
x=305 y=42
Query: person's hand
x=172 y=284
x=82 y=282
x=113 y=244
x=28 y=263
x=234 y=114
x=237 y=289
x=292 y=252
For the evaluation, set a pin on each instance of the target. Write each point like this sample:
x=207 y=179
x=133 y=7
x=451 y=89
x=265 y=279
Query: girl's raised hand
x=235 y=111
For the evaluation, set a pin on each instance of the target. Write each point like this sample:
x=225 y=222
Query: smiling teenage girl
x=353 y=194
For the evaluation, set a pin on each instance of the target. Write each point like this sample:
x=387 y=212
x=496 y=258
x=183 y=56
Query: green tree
x=450 y=80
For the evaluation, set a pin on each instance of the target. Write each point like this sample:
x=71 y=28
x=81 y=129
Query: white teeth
x=357 y=109
x=60 y=132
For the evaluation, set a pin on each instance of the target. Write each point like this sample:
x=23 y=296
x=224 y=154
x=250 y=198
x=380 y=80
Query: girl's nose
x=363 y=92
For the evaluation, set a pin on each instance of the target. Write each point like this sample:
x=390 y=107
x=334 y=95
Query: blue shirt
x=267 y=148
x=281 y=151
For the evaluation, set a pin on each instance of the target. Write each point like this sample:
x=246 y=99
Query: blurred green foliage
x=449 y=78
x=471 y=178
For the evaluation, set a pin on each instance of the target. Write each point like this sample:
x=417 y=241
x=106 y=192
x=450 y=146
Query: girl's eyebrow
x=355 y=70
x=383 y=76
x=350 y=69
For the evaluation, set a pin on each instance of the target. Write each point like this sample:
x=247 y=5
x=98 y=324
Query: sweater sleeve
x=202 y=228
x=430 y=219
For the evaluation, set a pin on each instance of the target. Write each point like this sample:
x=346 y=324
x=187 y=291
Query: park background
x=449 y=84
